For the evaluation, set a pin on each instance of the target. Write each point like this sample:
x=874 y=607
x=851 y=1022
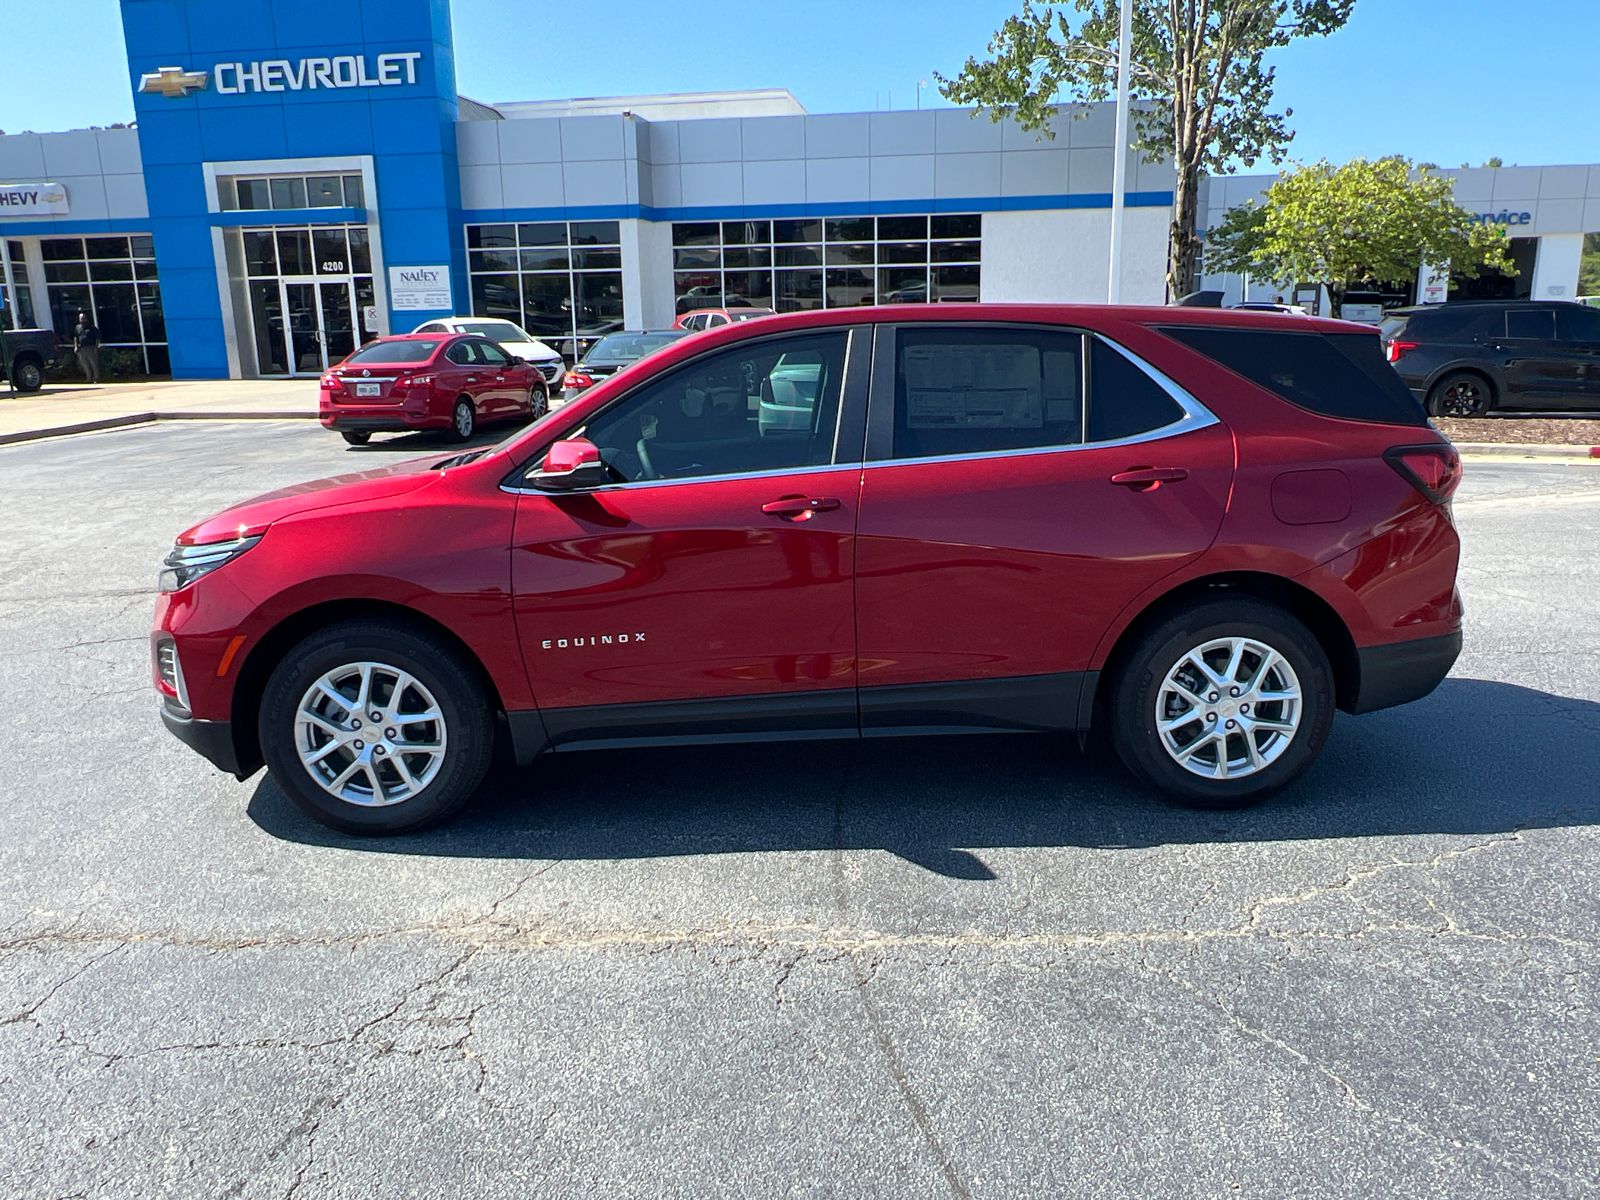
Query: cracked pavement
x=959 y=967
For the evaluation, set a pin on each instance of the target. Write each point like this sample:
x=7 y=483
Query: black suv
x=1472 y=358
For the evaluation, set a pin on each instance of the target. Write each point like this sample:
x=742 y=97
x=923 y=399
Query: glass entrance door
x=304 y=326
x=311 y=295
x=338 y=324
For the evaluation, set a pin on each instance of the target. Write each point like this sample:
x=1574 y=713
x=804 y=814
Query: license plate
x=369 y=389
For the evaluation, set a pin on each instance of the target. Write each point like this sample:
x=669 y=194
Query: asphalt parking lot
x=964 y=967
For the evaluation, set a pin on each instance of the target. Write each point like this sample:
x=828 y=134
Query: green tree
x=1198 y=71
x=1363 y=222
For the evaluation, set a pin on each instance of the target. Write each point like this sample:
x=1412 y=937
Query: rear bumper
x=1404 y=671
x=378 y=420
x=212 y=740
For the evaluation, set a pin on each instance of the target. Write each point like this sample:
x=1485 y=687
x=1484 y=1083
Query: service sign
x=418 y=289
x=33 y=200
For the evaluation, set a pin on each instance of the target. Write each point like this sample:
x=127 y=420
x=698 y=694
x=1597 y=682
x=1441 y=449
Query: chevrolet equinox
x=1201 y=531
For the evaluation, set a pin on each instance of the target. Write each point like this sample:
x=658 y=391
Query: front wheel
x=356 y=437
x=463 y=421
x=538 y=401
x=1223 y=703
x=372 y=727
x=1460 y=394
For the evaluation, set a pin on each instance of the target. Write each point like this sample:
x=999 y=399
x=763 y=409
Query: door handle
x=472 y=379
x=1147 y=479
x=800 y=508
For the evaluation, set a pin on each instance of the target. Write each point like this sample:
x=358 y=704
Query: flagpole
x=1119 y=164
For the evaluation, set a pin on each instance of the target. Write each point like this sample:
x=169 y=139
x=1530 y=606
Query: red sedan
x=1202 y=531
x=428 y=381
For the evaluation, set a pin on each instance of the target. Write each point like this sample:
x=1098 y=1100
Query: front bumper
x=212 y=740
x=1403 y=671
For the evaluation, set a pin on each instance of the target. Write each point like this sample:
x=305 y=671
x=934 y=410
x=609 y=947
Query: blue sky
x=1449 y=81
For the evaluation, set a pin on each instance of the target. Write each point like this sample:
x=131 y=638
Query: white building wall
x=1063 y=255
x=1555 y=271
x=100 y=168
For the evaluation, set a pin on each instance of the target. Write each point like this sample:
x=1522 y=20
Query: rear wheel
x=372 y=727
x=1223 y=703
x=1460 y=394
x=356 y=437
x=463 y=421
x=539 y=401
x=27 y=373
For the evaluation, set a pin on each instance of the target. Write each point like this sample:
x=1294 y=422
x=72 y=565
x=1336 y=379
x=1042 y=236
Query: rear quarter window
x=1336 y=375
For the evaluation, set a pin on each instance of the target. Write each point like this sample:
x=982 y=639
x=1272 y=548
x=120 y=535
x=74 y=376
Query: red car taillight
x=1433 y=470
x=1397 y=350
x=577 y=379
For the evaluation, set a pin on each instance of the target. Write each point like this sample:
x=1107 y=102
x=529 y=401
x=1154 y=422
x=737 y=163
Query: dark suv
x=1469 y=359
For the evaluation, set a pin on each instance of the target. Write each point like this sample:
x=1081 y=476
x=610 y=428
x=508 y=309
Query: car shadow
x=1476 y=757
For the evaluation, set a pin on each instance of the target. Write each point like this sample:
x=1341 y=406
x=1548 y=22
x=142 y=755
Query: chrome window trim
x=779 y=473
x=1195 y=414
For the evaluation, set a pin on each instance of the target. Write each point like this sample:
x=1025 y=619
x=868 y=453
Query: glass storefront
x=310 y=288
x=826 y=262
x=559 y=280
x=18 y=311
x=113 y=279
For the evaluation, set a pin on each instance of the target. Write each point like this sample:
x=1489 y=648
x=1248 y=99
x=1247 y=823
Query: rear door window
x=1124 y=402
x=1537 y=324
x=963 y=390
x=1577 y=323
x=1337 y=375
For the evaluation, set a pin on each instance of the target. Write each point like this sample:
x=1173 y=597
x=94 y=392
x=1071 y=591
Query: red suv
x=428 y=381
x=1200 y=530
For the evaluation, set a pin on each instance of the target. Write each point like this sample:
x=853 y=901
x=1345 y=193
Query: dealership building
x=303 y=175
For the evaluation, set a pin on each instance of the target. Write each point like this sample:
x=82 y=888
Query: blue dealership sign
x=267 y=87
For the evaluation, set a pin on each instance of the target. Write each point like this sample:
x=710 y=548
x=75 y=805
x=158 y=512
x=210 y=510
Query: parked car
x=1298 y=310
x=1481 y=356
x=710 y=318
x=30 y=351
x=1202 y=531
x=611 y=354
x=450 y=382
x=514 y=340
x=1365 y=308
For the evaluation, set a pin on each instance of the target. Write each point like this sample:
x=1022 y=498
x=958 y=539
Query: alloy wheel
x=463 y=420
x=1464 y=399
x=1228 y=708
x=370 y=734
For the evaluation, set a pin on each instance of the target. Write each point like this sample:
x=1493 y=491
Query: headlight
x=187 y=563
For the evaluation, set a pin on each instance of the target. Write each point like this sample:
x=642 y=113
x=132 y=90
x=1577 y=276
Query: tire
x=376 y=796
x=27 y=373
x=463 y=421
x=1461 y=394
x=356 y=437
x=1142 y=685
x=538 y=401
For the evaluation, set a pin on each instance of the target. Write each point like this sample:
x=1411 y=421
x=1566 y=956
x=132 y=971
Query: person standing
x=86 y=341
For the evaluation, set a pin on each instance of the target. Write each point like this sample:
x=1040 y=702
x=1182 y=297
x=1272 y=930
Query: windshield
x=627 y=347
x=412 y=350
x=497 y=331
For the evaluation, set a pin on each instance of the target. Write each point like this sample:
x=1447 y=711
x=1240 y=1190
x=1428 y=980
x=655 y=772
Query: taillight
x=1398 y=350
x=1434 y=470
x=411 y=381
x=577 y=379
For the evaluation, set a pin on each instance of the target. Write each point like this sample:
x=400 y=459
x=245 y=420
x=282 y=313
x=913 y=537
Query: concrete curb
x=1521 y=450
x=145 y=418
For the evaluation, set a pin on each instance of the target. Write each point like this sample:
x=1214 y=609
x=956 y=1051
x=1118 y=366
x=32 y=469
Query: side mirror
x=570 y=465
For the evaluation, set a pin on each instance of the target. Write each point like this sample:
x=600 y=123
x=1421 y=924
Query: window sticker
x=984 y=386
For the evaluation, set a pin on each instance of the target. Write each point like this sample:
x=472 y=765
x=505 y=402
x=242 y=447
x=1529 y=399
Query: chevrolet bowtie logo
x=173 y=81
